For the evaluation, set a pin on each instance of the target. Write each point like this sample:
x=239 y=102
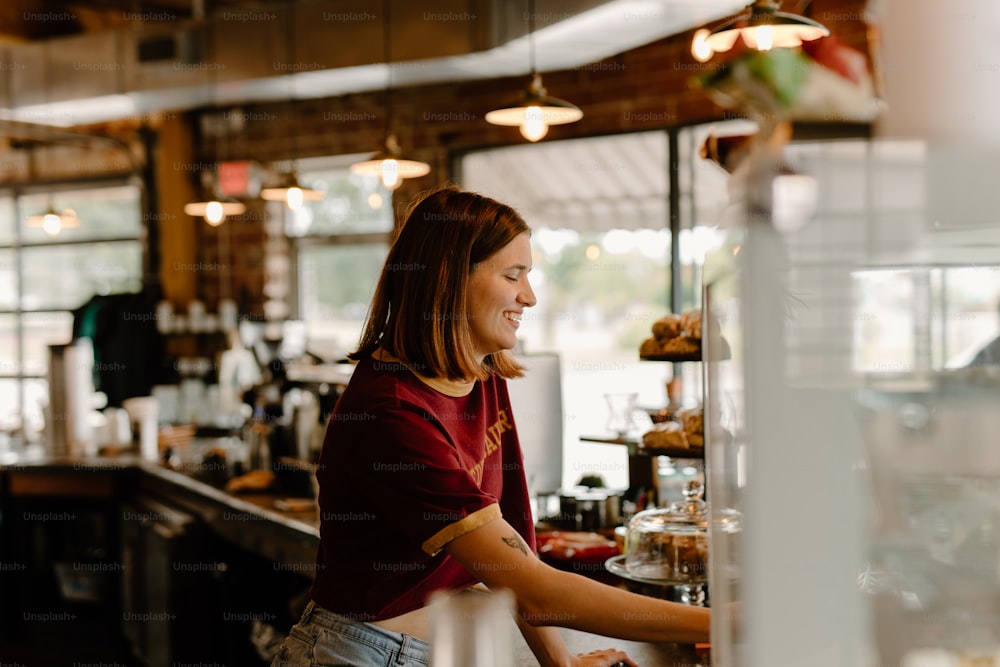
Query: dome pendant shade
x=390 y=165
x=535 y=111
x=762 y=28
x=291 y=192
x=216 y=211
x=52 y=222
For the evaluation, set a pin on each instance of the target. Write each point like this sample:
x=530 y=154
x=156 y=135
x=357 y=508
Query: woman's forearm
x=545 y=643
x=573 y=601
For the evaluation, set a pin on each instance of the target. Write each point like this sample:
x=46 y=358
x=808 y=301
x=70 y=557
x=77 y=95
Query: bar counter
x=249 y=521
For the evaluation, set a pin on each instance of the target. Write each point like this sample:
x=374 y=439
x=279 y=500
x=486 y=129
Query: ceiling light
x=763 y=28
x=535 y=111
x=214 y=211
x=52 y=222
x=291 y=192
x=389 y=164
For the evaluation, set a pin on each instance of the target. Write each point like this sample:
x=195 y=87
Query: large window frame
x=25 y=419
x=315 y=173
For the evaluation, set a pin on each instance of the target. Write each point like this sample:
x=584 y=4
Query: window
x=44 y=278
x=598 y=209
x=338 y=247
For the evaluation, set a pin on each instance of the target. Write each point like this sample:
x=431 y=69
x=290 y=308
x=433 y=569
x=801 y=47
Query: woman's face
x=498 y=293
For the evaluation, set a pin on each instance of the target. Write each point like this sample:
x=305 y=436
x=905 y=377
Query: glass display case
x=853 y=429
x=854 y=426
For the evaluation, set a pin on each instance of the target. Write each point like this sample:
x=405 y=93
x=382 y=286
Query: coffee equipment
x=72 y=399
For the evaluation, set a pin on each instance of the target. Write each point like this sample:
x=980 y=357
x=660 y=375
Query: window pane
x=40 y=331
x=7 y=225
x=10 y=405
x=969 y=321
x=354 y=204
x=8 y=345
x=8 y=279
x=66 y=276
x=108 y=212
x=336 y=284
x=601 y=250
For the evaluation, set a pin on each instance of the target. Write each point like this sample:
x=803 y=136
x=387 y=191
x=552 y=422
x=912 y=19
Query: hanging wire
x=290 y=55
x=531 y=35
x=387 y=57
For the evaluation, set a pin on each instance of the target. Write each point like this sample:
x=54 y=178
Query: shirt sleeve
x=415 y=477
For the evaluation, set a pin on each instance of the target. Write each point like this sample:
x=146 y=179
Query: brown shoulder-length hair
x=419 y=311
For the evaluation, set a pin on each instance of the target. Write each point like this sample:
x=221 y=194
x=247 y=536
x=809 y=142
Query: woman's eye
x=513 y=279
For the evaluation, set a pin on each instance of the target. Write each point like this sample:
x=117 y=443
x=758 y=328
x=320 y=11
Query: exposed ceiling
x=73 y=62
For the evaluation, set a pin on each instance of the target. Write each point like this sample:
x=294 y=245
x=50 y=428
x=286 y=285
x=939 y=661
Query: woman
x=421 y=478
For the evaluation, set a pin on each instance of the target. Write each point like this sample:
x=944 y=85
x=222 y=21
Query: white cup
x=144 y=411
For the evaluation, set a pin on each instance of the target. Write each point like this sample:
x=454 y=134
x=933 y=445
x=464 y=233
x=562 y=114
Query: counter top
x=289 y=539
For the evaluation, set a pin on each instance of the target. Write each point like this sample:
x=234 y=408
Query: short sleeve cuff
x=480 y=517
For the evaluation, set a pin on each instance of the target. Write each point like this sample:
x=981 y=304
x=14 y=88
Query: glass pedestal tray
x=692 y=591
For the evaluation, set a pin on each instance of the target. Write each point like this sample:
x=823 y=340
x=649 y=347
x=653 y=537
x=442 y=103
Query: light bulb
x=293 y=198
x=389 y=173
x=51 y=224
x=534 y=126
x=700 y=49
x=375 y=201
x=213 y=213
x=765 y=38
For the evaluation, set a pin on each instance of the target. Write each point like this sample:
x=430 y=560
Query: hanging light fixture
x=535 y=110
x=389 y=164
x=52 y=222
x=289 y=190
x=214 y=209
x=762 y=27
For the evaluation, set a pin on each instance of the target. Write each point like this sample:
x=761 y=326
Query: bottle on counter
x=257 y=436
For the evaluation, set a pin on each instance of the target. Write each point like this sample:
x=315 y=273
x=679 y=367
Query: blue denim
x=324 y=639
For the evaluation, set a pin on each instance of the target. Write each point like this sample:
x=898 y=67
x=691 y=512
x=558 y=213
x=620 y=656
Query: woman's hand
x=605 y=658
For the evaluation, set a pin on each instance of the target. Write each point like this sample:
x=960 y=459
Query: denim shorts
x=324 y=639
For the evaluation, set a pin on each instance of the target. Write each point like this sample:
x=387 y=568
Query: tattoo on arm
x=515 y=542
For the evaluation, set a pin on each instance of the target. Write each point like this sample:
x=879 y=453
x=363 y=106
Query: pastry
x=668 y=326
x=693 y=421
x=680 y=346
x=668 y=435
x=691 y=324
x=649 y=348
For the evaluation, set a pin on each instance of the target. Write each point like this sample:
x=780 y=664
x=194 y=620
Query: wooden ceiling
x=35 y=20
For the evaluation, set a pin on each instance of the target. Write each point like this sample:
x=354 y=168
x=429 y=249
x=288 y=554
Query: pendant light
x=214 y=209
x=289 y=190
x=535 y=110
x=389 y=164
x=762 y=27
x=52 y=222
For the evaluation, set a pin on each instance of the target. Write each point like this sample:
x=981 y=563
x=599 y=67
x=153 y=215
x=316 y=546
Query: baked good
x=668 y=326
x=680 y=346
x=649 y=348
x=691 y=324
x=693 y=420
x=667 y=435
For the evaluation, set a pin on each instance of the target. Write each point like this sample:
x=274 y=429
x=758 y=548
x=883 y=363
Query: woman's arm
x=496 y=555
x=550 y=649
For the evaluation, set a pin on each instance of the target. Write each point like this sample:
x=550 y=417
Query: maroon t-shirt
x=405 y=469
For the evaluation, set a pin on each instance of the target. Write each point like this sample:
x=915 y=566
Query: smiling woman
x=435 y=471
